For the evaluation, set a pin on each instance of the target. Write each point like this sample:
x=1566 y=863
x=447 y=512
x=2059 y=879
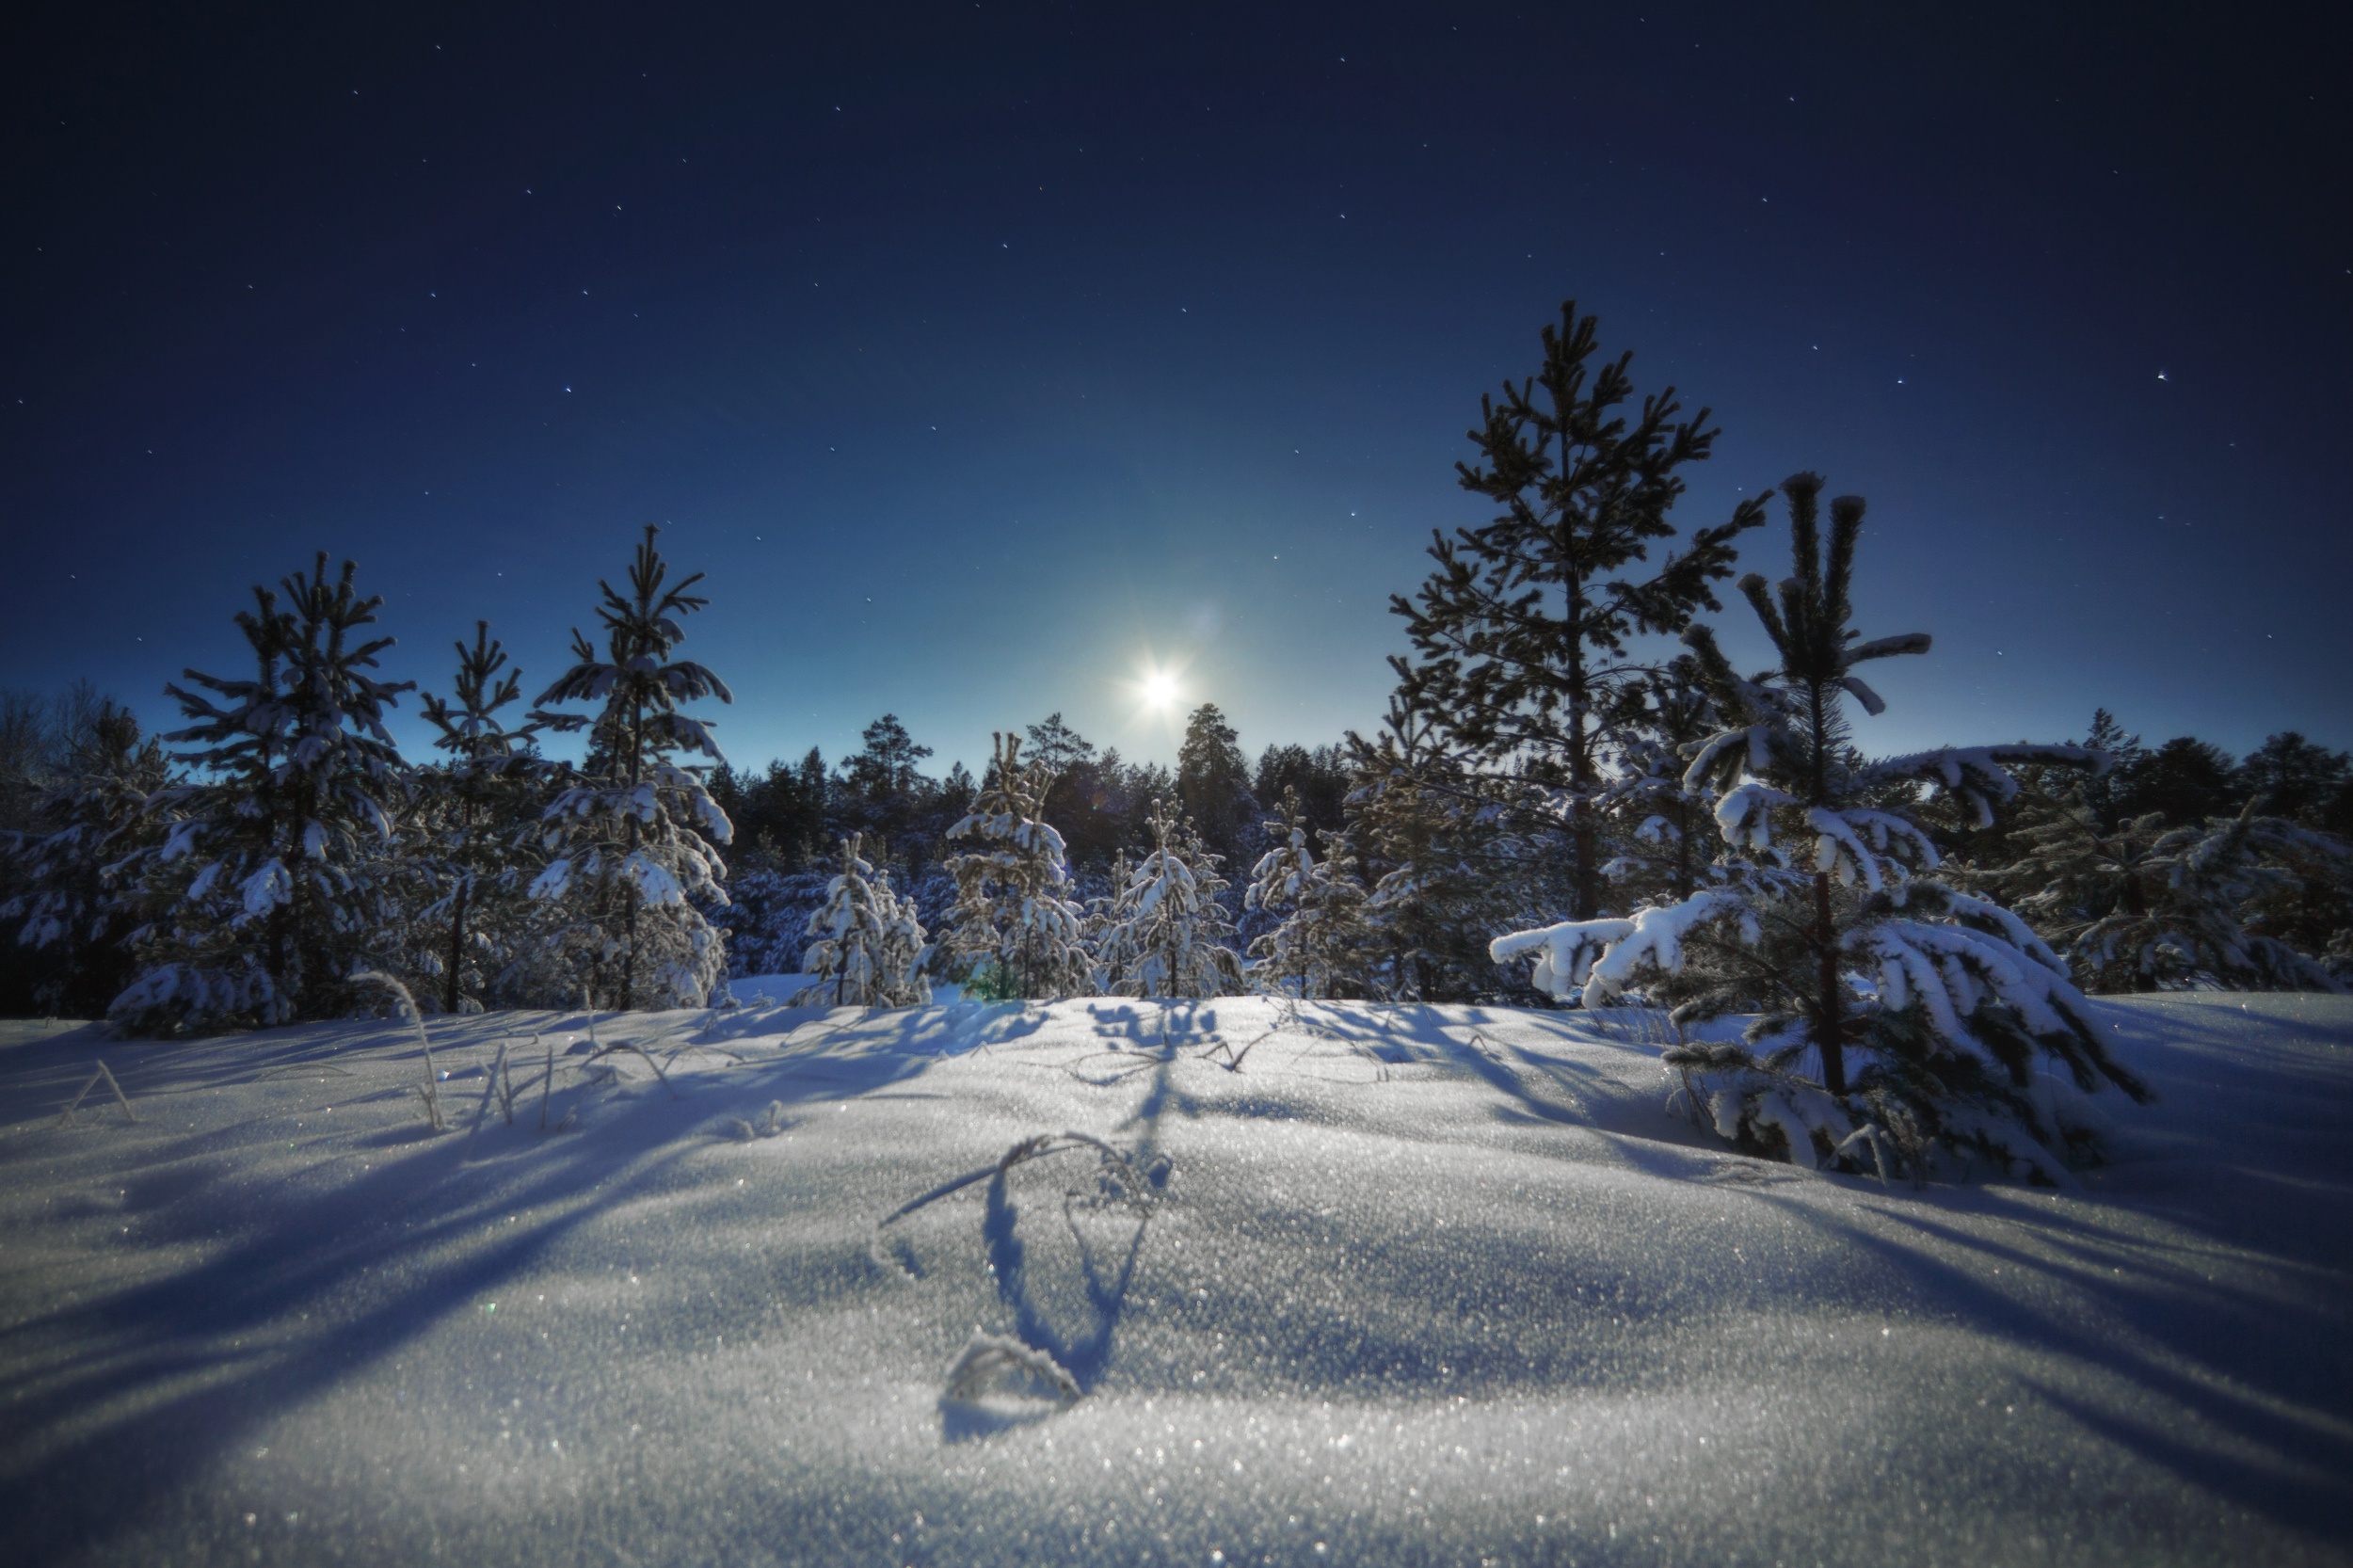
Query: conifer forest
x=1575 y=799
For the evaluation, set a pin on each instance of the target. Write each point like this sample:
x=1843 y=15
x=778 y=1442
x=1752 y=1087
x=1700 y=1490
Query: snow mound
x=1227 y=1281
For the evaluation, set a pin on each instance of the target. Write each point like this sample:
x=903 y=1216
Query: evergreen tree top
x=642 y=628
x=471 y=729
x=310 y=706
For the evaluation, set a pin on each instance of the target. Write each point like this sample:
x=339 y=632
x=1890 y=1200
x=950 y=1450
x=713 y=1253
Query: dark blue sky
x=982 y=353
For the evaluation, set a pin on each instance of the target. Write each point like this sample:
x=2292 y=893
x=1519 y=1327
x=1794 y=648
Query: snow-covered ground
x=1378 y=1285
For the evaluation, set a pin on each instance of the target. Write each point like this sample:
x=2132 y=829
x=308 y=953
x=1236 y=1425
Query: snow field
x=1411 y=1285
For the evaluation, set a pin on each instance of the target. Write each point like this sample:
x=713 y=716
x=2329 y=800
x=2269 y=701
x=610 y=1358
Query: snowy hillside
x=1363 y=1283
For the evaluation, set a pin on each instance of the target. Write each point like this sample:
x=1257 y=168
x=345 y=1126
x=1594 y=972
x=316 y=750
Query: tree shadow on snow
x=2261 y=1367
x=129 y=1396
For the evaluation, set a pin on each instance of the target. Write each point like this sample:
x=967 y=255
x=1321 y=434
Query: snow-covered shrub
x=2146 y=907
x=1887 y=995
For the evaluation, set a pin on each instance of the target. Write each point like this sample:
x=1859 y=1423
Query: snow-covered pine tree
x=1278 y=884
x=1014 y=929
x=284 y=837
x=870 y=949
x=2142 y=907
x=1522 y=630
x=475 y=819
x=631 y=841
x=1961 y=1003
x=79 y=873
x=1320 y=946
x=1167 y=924
x=1099 y=929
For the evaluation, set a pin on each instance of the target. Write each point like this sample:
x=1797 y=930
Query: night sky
x=985 y=354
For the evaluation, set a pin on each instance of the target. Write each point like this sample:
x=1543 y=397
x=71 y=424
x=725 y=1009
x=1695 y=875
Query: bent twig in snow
x=995 y=1362
x=1039 y=1147
x=622 y=1046
x=122 y=1098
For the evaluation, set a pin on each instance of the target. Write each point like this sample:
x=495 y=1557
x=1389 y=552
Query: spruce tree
x=1166 y=928
x=1523 y=629
x=1015 y=928
x=474 y=818
x=870 y=949
x=1278 y=884
x=279 y=850
x=1833 y=880
x=631 y=837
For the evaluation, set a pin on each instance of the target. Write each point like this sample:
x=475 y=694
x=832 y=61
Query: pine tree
x=1833 y=881
x=79 y=871
x=1278 y=884
x=2186 y=781
x=2290 y=776
x=1213 y=781
x=1014 y=927
x=284 y=838
x=1100 y=929
x=870 y=949
x=1522 y=630
x=1166 y=927
x=631 y=839
x=474 y=816
x=1320 y=947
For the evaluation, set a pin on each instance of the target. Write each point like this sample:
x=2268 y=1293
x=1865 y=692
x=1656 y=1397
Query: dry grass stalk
x=489 y=1087
x=408 y=1010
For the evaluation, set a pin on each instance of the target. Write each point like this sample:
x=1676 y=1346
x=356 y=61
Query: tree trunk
x=629 y=888
x=1825 y=1010
x=1683 y=849
x=456 y=945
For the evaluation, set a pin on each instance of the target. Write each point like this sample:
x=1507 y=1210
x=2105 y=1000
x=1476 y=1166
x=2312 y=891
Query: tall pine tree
x=279 y=850
x=1522 y=632
x=474 y=816
x=631 y=842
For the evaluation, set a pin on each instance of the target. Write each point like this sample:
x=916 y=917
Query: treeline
x=1556 y=792
x=791 y=820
